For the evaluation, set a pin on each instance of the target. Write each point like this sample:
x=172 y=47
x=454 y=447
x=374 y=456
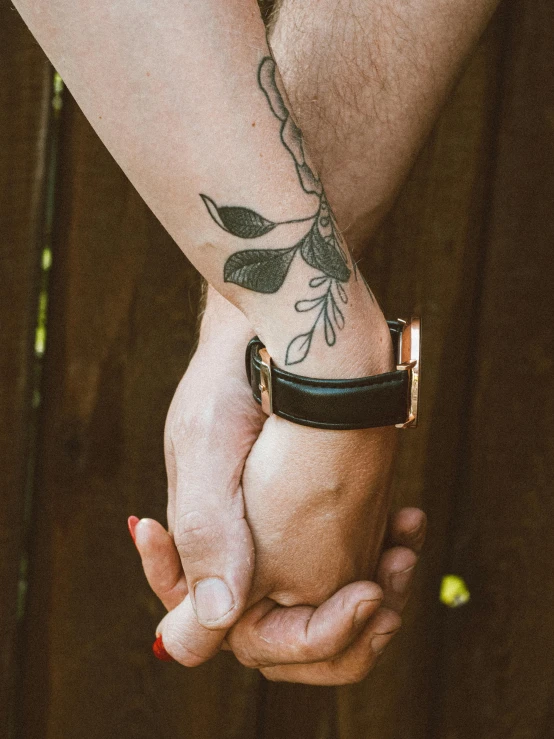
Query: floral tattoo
x=265 y=270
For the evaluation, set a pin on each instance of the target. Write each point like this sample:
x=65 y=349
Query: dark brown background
x=468 y=246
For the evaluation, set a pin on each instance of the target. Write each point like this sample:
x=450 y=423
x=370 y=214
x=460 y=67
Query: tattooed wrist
x=321 y=247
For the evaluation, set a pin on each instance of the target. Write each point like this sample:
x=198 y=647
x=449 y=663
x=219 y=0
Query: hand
x=211 y=426
x=339 y=642
x=204 y=481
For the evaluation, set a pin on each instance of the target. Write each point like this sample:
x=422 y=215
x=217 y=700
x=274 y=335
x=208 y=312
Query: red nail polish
x=132 y=524
x=159 y=650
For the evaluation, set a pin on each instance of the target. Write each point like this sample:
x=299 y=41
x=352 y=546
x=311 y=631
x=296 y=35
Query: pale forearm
x=170 y=88
x=179 y=94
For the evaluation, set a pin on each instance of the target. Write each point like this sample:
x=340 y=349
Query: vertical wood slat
x=297 y=711
x=427 y=259
x=25 y=78
x=121 y=325
x=114 y=361
x=498 y=678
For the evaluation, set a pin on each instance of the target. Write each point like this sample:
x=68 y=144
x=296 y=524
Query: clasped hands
x=274 y=529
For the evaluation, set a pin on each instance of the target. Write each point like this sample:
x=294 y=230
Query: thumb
x=217 y=553
x=215 y=546
x=179 y=634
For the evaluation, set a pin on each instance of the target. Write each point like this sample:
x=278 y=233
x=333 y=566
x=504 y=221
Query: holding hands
x=274 y=529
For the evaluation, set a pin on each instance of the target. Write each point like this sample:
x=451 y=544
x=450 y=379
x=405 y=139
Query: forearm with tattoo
x=171 y=89
x=321 y=247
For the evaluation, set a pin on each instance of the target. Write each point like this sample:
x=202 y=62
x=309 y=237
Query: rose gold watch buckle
x=408 y=360
x=266 y=385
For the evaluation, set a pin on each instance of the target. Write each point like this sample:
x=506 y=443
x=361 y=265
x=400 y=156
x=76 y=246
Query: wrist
x=355 y=343
x=223 y=322
x=223 y=336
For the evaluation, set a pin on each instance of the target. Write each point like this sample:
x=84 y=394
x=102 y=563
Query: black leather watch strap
x=364 y=402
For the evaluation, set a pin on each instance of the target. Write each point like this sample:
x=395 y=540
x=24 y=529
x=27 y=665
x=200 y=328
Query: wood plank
x=426 y=259
x=25 y=78
x=121 y=327
x=498 y=676
x=293 y=711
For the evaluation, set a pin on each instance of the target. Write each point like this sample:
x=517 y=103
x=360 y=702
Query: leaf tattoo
x=265 y=270
x=298 y=348
x=241 y=222
x=261 y=270
x=323 y=255
x=328 y=312
x=290 y=133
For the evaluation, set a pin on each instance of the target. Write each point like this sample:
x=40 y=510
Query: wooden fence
x=469 y=246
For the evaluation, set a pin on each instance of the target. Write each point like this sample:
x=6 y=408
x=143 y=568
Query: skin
x=253 y=468
x=365 y=127
x=367 y=81
x=364 y=144
x=337 y=643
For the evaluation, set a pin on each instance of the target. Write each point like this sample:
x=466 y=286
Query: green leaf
x=241 y=222
x=261 y=270
x=323 y=255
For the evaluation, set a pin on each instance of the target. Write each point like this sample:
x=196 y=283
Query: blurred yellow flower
x=454 y=591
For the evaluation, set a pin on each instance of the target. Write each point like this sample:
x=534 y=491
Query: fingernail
x=380 y=641
x=401 y=580
x=159 y=650
x=213 y=600
x=132 y=524
x=364 y=609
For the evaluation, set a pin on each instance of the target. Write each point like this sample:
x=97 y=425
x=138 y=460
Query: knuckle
x=246 y=659
x=201 y=533
x=195 y=542
x=192 y=521
x=185 y=426
x=251 y=649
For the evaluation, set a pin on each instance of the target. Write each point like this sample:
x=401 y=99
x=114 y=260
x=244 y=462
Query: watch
x=387 y=399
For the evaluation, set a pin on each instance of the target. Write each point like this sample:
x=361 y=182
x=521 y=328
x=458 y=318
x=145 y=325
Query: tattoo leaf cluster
x=265 y=270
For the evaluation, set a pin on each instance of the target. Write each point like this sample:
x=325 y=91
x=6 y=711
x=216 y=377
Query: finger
x=269 y=634
x=214 y=542
x=407 y=528
x=395 y=574
x=184 y=639
x=352 y=665
x=160 y=562
x=395 y=571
